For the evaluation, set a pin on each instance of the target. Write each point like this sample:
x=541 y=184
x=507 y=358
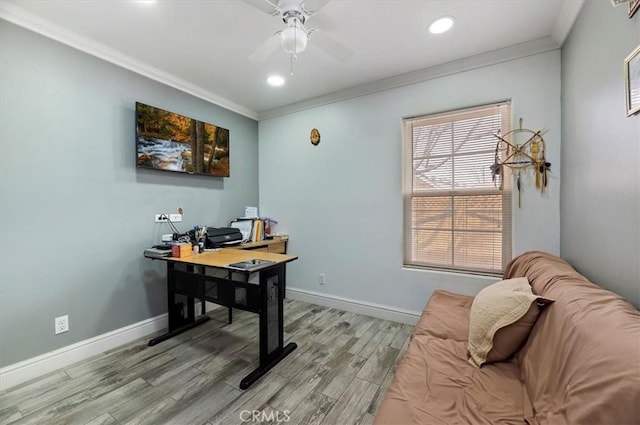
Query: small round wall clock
x=315 y=137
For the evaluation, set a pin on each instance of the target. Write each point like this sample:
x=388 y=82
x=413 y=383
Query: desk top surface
x=223 y=257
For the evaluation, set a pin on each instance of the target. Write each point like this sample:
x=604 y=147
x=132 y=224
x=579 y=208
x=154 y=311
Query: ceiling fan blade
x=267 y=6
x=268 y=48
x=312 y=7
x=330 y=45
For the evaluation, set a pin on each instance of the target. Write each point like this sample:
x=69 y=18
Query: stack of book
x=257 y=233
x=252 y=229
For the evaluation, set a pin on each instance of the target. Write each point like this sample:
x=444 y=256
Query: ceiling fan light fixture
x=441 y=25
x=294 y=39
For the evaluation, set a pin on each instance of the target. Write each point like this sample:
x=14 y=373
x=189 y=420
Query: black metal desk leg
x=177 y=323
x=271 y=325
x=202 y=293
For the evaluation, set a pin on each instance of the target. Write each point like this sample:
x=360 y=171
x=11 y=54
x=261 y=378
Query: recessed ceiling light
x=441 y=25
x=146 y=1
x=275 y=80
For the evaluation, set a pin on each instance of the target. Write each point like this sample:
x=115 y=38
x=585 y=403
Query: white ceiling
x=202 y=46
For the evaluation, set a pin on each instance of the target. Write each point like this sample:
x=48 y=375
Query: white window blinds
x=455 y=216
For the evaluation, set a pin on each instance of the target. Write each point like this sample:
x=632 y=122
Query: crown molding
x=565 y=20
x=16 y=15
x=562 y=26
x=461 y=65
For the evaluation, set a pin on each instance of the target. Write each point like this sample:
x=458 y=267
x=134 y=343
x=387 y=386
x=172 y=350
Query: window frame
x=409 y=194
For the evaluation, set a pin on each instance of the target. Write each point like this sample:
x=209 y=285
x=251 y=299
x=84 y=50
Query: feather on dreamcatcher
x=519 y=150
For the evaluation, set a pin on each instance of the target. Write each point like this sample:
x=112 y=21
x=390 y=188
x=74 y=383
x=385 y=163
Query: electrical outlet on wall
x=61 y=324
x=321 y=279
x=162 y=218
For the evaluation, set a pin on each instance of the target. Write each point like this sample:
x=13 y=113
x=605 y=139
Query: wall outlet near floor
x=61 y=324
x=321 y=279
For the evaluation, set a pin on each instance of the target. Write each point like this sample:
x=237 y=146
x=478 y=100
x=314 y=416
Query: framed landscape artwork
x=632 y=81
x=171 y=142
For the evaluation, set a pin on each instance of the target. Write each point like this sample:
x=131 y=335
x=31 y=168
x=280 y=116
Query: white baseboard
x=369 y=309
x=23 y=371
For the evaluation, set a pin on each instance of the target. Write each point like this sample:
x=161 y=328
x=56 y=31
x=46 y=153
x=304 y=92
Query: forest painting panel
x=172 y=142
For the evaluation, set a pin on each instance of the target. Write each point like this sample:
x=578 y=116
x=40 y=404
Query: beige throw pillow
x=501 y=319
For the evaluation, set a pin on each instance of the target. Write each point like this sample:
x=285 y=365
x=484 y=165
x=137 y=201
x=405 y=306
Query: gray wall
x=75 y=213
x=342 y=203
x=600 y=214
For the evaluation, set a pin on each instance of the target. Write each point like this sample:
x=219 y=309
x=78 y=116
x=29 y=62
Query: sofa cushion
x=510 y=339
x=501 y=318
x=446 y=316
x=435 y=384
x=581 y=363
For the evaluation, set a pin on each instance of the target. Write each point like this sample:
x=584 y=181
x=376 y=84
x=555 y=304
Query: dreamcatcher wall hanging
x=520 y=150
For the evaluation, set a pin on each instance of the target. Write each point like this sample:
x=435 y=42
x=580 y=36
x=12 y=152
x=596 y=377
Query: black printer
x=222 y=236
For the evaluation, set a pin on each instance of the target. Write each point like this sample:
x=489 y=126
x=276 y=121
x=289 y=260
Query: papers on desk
x=251 y=212
x=252 y=229
x=245 y=226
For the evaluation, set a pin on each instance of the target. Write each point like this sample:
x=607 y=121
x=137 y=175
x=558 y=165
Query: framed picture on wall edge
x=632 y=81
x=633 y=7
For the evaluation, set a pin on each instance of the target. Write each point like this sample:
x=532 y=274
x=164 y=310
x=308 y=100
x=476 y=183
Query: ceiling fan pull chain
x=291 y=64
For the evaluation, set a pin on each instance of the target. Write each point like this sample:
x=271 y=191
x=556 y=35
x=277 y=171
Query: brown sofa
x=580 y=364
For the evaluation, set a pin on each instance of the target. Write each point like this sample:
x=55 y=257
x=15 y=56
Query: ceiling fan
x=294 y=38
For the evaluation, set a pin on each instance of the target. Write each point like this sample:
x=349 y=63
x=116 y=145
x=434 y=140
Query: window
x=455 y=216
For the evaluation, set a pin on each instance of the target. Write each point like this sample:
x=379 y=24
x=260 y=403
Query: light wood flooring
x=338 y=375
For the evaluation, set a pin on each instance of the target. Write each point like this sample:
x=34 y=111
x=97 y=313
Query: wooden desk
x=223 y=257
x=259 y=292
